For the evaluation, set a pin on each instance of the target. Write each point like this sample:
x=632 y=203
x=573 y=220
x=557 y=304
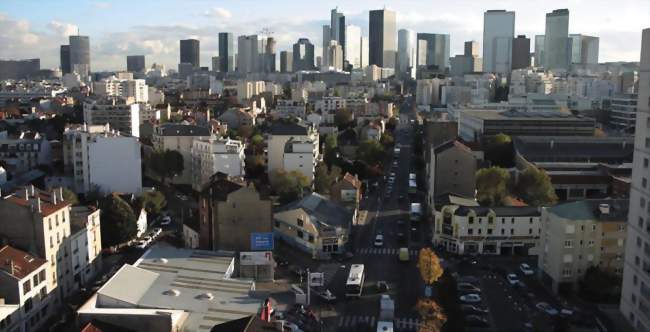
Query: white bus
x=354 y=285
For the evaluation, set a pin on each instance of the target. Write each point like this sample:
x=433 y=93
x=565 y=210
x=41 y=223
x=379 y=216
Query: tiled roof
x=18 y=263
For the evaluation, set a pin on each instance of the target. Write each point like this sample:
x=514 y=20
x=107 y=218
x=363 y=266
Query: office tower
x=353 y=45
x=406 y=51
x=65 y=59
x=365 y=52
x=135 y=63
x=584 y=49
x=80 y=55
x=337 y=28
x=557 y=45
x=303 y=55
x=19 y=69
x=498 y=32
x=286 y=62
x=327 y=35
x=433 y=50
x=247 y=54
x=521 y=52
x=269 y=55
x=382 y=38
x=226 y=52
x=190 y=52
x=539 y=50
x=635 y=294
x=335 y=55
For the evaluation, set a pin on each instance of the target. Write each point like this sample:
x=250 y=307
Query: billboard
x=261 y=241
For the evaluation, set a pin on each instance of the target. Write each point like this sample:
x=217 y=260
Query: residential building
x=498 y=34
x=85 y=244
x=476 y=124
x=133 y=90
x=179 y=137
x=91 y=155
x=226 y=52
x=520 y=52
x=451 y=169
x=622 y=113
x=462 y=227
x=135 y=63
x=213 y=155
x=584 y=49
x=406 y=52
x=114 y=111
x=286 y=62
x=382 y=44
x=280 y=133
x=433 y=50
x=171 y=289
x=25 y=152
x=557 y=44
x=230 y=210
x=38 y=221
x=303 y=55
x=315 y=225
x=190 y=52
x=635 y=295
x=23 y=282
x=578 y=235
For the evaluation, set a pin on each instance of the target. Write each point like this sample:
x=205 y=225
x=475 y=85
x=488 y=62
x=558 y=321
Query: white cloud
x=218 y=12
x=62 y=29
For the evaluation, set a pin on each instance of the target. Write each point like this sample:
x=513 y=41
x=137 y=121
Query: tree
x=118 y=221
x=342 y=118
x=152 y=201
x=330 y=150
x=433 y=317
x=324 y=177
x=429 y=265
x=492 y=185
x=370 y=152
x=70 y=197
x=499 y=150
x=535 y=188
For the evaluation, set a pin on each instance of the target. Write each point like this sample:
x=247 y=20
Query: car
x=547 y=308
x=526 y=269
x=476 y=321
x=473 y=309
x=379 y=240
x=382 y=286
x=166 y=220
x=512 y=279
x=467 y=288
x=470 y=298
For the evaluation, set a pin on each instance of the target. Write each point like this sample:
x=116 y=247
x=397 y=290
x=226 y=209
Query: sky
x=36 y=28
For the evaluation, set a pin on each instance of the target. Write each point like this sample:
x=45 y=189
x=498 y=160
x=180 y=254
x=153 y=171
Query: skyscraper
x=521 y=52
x=635 y=294
x=80 y=55
x=247 y=54
x=353 y=45
x=226 y=52
x=498 y=33
x=406 y=51
x=66 y=68
x=539 y=50
x=433 y=50
x=382 y=38
x=557 y=44
x=286 y=62
x=190 y=52
x=135 y=63
x=337 y=27
x=584 y=49
x=303 y=55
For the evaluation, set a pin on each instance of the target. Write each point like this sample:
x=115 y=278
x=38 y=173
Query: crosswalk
x=384 y=251
x=404 y=324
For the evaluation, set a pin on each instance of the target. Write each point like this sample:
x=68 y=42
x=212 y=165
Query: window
x=27 y=286
x=568 y=244
x=301 y=222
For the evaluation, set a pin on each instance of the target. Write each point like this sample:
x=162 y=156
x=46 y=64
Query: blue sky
x=35 y=28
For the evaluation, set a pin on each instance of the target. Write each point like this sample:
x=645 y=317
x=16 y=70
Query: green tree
x=370 y=152
x=492 y=185
x=152 y=201
x=330 y=150
x=535 y=188
x=118 y=221
x=499 y=150
x=70 y=197
x=342 y=118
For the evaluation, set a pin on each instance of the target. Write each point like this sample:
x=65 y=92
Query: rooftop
x=18 y=263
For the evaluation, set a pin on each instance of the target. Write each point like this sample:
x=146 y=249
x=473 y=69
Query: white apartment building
x=213 y=155
x=85 y=244
x=100 y=158
x=180 y=137
x=280 y=133
x=635 y=295
x=301 y=156
x=134 y=90
x=113 y=111
x=23 y=282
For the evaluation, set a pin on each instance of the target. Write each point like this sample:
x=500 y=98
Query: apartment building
x=99 y=158
x=116 y=112
x=213 y=155
x=85 y=244
x=179 y=137
x=283 y=131
x=580 y=234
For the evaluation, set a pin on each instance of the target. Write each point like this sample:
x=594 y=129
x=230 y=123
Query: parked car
x=379 y=240
x=473 y=309
x=476 y=321
x=467 y=288
x=470 y=298
x=526 y=269
x=547 y=308
x=512 y=279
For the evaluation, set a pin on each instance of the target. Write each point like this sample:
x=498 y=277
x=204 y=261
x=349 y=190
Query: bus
x=354 y=285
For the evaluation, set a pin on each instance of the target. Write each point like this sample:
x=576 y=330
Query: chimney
x=603 y=208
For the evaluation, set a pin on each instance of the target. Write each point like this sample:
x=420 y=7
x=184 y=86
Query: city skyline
x=118 y=28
